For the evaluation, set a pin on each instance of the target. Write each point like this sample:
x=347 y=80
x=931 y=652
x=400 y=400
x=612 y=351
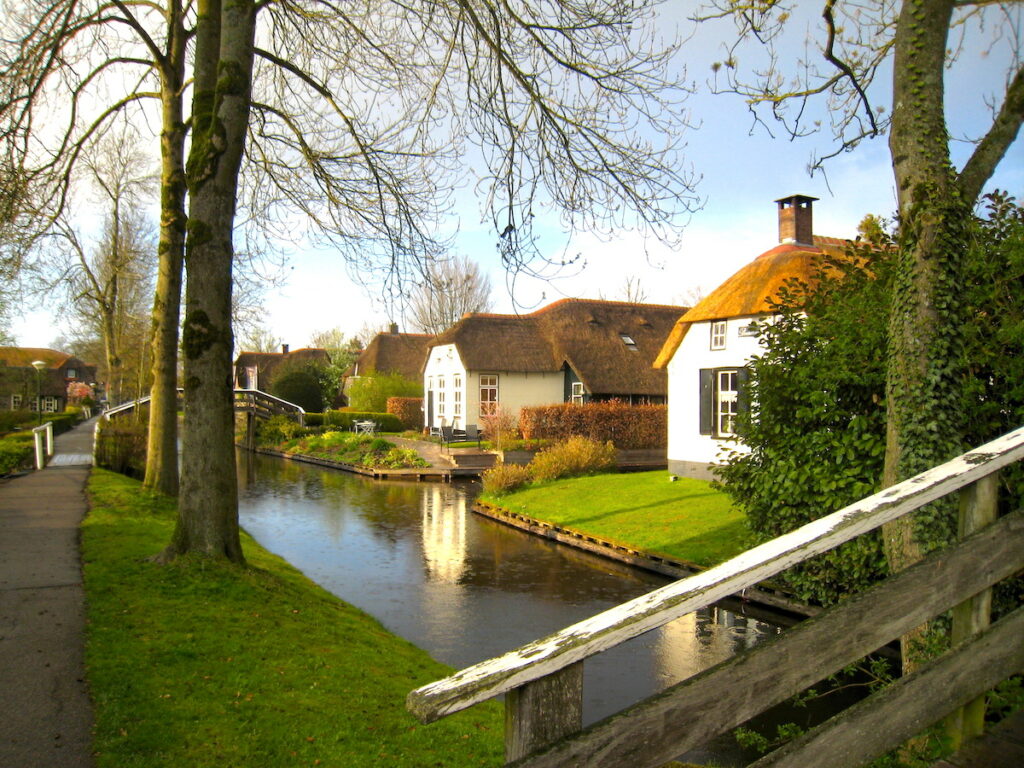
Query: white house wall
x=691 y=454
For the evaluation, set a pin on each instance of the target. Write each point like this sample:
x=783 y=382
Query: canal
x=466 y=588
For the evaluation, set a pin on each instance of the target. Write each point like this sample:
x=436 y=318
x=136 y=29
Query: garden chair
x=447 y=435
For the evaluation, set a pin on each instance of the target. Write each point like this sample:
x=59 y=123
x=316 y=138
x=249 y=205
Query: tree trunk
x=162 y=446
x=923 y=398
x=208 y=503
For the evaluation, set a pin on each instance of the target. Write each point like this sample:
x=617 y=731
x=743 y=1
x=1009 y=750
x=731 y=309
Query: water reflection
x=466 y=588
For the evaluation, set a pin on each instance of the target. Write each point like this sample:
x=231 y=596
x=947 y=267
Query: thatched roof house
x=573 y=350
x=254 y=370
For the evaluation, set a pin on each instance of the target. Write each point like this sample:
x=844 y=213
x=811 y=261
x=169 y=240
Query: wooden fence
x=544 y=679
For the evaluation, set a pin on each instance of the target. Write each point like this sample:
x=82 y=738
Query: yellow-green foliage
x=572 y=458
x=504 y=478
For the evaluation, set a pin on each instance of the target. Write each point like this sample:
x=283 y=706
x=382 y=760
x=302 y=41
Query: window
x=722 y=399
x=440 y=397
x=629 y=342
x=15 y=402
x=488 y=393
x=718 y=329
x=457 y=397
x=71 y=373
x=49 y=404
x=577 y=393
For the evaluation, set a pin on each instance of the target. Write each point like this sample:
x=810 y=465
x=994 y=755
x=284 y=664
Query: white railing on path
x=37 y=435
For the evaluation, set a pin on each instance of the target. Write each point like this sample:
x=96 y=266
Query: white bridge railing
x=543 y=679
x=252 y=400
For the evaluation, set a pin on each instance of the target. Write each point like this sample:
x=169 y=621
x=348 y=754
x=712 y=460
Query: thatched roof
x=23 y=357
x=53 y=381
x=610 y=345
x=402 y=353
x=752 y=289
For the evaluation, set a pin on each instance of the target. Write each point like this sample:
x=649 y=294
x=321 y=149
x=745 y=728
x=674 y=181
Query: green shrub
x=572 y=458
x=11 y=419
x=313 y=419
x=370 y=392
x=505 y=478
x=277 y=429
x=626 y=426
x=298 y=386
x=393 y=458
x=15 y=453
x=408 y=410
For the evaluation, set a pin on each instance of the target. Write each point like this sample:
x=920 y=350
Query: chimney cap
x=797 y=199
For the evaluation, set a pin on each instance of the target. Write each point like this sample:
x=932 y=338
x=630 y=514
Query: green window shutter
x=707 y=401
x=742 y=397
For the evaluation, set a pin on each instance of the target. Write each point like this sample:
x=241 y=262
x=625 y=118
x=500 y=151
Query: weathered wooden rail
x=252 y=401
x=544 y=679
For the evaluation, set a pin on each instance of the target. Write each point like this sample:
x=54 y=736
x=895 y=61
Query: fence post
x=543 y=712
x=978 y=509
x=37 y=437
x=49 y=438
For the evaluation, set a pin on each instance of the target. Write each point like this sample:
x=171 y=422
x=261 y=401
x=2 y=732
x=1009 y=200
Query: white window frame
x=489 y=382
x=726 y=401
x=719 y=330
x=71 y=373
x=577 y=393
x=439 y=402
x=49 y=404
x=15 y=402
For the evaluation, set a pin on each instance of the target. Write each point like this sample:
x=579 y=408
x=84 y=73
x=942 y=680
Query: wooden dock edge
x=764 y=595
x=420 y=474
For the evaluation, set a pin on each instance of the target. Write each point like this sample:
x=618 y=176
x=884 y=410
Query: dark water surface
x=465 y=588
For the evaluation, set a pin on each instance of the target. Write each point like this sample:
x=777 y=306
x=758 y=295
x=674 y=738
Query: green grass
x=687 y=519
x=200 y=663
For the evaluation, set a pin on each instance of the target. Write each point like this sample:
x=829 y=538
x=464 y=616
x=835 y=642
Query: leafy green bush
x=574 y=457
x=313 y=419
x=15 y=453
x=11 y=419
x=505 y=478
x=277 y=429
x=299 y=386
x=370 y=392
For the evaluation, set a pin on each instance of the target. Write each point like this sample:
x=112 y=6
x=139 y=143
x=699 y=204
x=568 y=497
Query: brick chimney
x=393 y=328
x=284 y=349
x=796 y=220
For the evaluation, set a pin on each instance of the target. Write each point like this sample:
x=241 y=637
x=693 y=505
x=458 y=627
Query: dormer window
x=718 y=330
x=628 y=341
x=71 y=373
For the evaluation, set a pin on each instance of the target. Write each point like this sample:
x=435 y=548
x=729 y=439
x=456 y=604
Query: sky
x=743 y=171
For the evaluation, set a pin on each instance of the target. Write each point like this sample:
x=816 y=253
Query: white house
x=708 y=349
x=575 y=350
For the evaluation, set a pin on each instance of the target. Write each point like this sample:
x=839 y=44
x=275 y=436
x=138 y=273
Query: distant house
x=575 y=350
x=19 y=379
x=254 y=370
x=707 y=352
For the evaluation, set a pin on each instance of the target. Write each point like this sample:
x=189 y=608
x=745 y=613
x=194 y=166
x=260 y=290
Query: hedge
x=386 y=422
x=15 y=453
x=626 y=426
x=121 y=447
x=409 y=411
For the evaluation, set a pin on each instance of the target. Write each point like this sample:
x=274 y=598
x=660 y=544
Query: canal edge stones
x=766 y=594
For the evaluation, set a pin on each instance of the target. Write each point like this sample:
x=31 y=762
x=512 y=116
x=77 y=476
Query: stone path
x=47 y=717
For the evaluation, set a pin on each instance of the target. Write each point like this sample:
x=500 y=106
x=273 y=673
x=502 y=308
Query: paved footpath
x=46 y=717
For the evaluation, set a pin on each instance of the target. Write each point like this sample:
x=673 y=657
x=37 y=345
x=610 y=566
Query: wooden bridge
x=251 y=401
x=543 y=680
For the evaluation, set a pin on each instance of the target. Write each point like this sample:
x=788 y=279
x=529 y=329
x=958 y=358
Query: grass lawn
x=687 y=519
x=200 y=663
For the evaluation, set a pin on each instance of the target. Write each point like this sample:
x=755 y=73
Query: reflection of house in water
x=444 y=533
x=699 y=640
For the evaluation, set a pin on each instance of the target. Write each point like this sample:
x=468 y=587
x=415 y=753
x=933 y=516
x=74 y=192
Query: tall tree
x=346 y=100
x=450 y=289
x=918 y=41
